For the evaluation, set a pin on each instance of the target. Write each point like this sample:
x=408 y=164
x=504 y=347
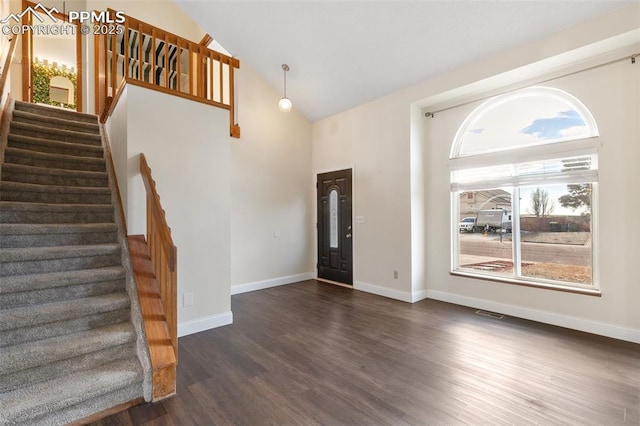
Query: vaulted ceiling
x=345 y=53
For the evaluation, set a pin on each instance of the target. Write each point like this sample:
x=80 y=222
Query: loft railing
x=141 y=54
x=164 y=254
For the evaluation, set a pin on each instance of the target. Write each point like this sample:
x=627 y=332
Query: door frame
x=27 y=58
x=353 y=222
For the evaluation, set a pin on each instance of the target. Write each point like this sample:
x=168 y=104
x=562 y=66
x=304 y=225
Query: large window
x=524 y=172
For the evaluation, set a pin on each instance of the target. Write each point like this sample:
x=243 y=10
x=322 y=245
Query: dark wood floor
x=313 y=353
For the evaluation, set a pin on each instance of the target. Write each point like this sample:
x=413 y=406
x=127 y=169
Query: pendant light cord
x=285 y=83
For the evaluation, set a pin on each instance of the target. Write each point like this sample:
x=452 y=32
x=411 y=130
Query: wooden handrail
x=164 y=254
x=150 y=57
x=6 y=69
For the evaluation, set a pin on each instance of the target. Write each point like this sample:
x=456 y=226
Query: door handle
x=348 y=236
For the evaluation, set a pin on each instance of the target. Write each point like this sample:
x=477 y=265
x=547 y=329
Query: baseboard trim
x=419 y=295
x=274 y=282
x=203 y=324
x=404 y=296
x=594 y=327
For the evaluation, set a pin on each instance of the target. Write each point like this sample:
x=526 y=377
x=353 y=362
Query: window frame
x=555 y=150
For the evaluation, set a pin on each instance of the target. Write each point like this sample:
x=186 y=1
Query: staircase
x=71 y=341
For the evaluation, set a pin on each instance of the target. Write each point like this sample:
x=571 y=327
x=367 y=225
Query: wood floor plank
x=315 y=354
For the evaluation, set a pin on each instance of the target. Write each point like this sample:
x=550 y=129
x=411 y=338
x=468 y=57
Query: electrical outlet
x=187 y=300
x=395 y=275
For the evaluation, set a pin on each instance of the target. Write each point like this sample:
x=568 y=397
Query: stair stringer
x=142 y=348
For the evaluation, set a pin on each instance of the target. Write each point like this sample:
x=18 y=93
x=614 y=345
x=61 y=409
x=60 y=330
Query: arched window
x=523 y=178
x=525 y=118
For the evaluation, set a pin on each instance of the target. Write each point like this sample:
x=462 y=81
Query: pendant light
x=285 y=104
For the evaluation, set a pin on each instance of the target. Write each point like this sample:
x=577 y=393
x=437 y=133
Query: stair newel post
x=231 y=101
x=235 y=127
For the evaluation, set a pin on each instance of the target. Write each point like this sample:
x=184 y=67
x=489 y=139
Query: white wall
x=373 y=140
x=187 y=146
x=271 y=199
x=263 y=182
x=383 y=140
x=60 y=49
x=611 y=94
x=117 y=131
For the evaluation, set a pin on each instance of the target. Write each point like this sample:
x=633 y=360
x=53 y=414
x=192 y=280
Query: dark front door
x=335 y=248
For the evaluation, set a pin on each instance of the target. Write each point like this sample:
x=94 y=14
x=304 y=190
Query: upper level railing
x=141 y=54
x=164 y=254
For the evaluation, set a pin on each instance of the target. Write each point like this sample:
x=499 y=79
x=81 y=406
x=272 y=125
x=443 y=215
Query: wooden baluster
x=114 y=65
x=153 y=57
x=178 y=71
x=200 y=74
x=221 y=80
x=125 y=62
x=140 y=53
x=211 y=83
x=98 y=72
x=166 y=61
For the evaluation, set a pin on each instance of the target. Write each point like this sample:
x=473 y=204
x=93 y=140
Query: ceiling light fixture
x=285 y=104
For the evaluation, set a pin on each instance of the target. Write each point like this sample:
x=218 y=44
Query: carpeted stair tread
x=58 y=122
x=48 y=280
x=19 y=336
x=59 y=228
x=14 y=380
x=38 y=144
x=40 y=352
x=26 y=316
x=54 y=134
x=14 y=235
x=51 y=160
x=46 y=253
x=30 y=192
x=26 y=405
x=31 y=187
x=49 y=174
x=51 y=111
x=36 y=260
x=22 y=212
x=77 y=414
x=68 y=344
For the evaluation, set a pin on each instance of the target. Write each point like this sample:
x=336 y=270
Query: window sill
x=504 y=280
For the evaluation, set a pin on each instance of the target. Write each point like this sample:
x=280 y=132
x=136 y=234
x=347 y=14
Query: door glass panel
x=333 y=218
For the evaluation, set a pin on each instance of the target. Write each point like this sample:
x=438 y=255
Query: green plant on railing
x=42 y=75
